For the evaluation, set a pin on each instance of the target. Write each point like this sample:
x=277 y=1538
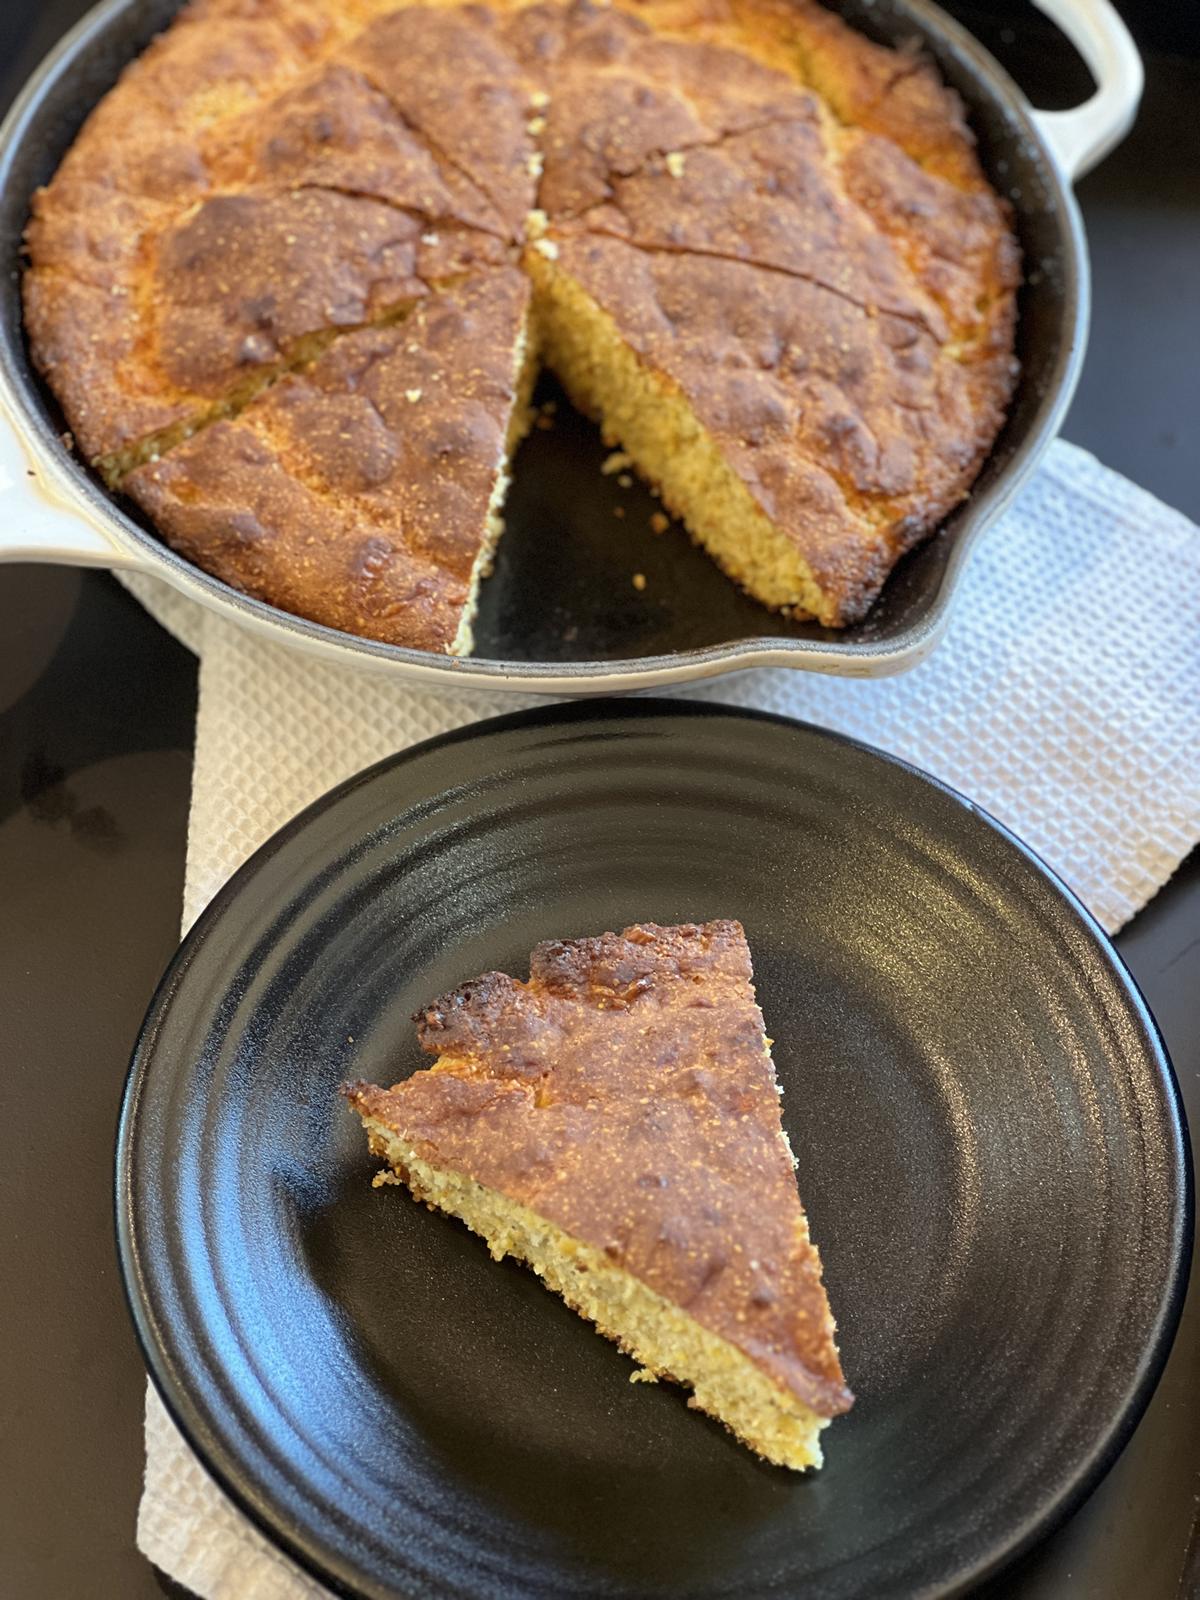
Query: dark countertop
x=96 y=715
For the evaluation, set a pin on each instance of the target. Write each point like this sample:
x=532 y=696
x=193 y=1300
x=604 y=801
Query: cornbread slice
x=615 y=1124
x=804 y=474
x=366 y=489
x=762 y=251
x=449 y=78
x=265 y=195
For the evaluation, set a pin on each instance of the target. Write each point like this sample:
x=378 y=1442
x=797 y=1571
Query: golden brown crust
x=955 y=242
x=622 y=94
x=450 y=79
x=271 y=174
x=135 y=168
x=319 y=208
x=626 y=1093
x=355 y=492
x=849 y=430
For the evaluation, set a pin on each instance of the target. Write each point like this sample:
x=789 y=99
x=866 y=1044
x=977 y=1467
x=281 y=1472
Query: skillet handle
x=1080 y=138
x=38 y=522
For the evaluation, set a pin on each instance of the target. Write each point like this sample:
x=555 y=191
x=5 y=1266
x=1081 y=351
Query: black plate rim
x=172 y=1390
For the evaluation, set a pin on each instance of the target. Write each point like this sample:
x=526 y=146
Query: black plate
x=990 y=1146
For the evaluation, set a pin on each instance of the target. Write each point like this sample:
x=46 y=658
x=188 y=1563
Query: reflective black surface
x=96 y=710
x=986 y=1129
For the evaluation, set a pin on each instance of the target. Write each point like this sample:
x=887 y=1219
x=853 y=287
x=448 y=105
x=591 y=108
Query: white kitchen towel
x=1065 y=700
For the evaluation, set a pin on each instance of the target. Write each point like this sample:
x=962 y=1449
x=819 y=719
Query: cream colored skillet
x=54 y=509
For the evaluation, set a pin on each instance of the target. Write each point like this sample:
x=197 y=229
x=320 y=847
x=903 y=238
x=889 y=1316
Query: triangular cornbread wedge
x=615 y=1124
x=369 y=484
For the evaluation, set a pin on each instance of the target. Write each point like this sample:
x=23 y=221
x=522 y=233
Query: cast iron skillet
x=990 y=1142
x=561 y=613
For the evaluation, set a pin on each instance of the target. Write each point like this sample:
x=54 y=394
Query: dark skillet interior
x=563 y=589
x=989 y=1141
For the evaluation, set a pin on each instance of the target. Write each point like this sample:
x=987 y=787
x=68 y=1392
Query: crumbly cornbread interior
x=664 y=1341
x=649 y=417
x=519 y=422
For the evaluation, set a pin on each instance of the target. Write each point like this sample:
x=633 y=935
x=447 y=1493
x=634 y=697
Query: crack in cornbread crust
x=353 y=148
x=799 y=495
x=275 y=499
x=647 y=1046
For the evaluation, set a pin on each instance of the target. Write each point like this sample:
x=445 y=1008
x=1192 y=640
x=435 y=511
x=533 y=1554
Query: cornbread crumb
x=625 y=481
x=639 y=581
x=412 y=396
x=617 y=461
x=675 y=163
x=546 y=247
x=536 y=223
x=539 y=99
x=536 y=125
x=658 y=522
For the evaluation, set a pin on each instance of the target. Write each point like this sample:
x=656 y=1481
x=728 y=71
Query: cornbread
x=294 y=280
x=326 y=463
x=615 y=1124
